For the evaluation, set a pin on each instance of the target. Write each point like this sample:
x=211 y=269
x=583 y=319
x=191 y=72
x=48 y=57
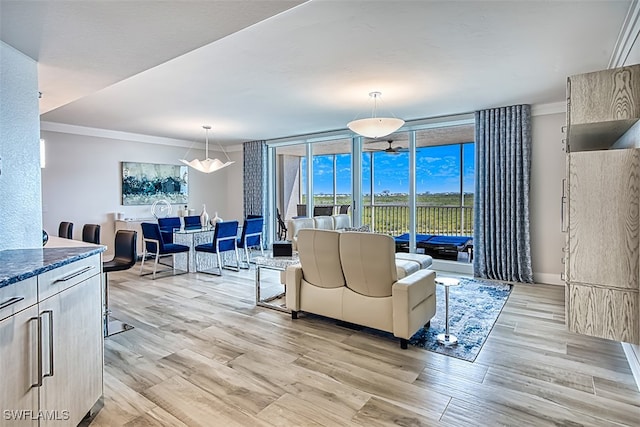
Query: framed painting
x=146 y=183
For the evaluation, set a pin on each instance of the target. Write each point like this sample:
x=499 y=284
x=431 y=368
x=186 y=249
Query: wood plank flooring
x=202 y=354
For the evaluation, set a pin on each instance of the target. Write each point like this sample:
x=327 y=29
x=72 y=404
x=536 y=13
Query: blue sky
x=437 y=171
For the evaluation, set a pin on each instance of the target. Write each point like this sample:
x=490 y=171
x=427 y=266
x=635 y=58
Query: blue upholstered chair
x=224 y=240
x=153 y=244
x=167 y=225
x=251 y=237
x=192 y=221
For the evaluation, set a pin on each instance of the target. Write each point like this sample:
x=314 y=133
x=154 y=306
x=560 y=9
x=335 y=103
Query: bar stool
x=125 y=257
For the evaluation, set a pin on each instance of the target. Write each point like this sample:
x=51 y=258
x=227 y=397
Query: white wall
x=82 y=182
x=21 y=222
x=547 y=173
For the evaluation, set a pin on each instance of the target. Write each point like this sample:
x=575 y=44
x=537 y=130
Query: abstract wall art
x=146 y=183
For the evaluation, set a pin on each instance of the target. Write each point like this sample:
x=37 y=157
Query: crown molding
x=627 y=36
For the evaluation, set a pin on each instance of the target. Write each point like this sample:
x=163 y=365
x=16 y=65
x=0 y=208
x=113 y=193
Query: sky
x=437 y=171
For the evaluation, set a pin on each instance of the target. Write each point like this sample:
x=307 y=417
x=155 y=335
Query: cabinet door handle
x=563 y=202
x=39 y=351
x=50 y=315
x=74 y=274
x=10 y=301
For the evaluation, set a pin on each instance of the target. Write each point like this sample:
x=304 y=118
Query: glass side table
x=447 y=338
x=270 y=262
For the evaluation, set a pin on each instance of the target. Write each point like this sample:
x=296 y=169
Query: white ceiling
x=270 y=69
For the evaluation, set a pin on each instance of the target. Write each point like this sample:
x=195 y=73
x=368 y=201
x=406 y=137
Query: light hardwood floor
x=202 y=354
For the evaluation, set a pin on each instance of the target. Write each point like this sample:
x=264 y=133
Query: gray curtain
x=501 y=204
x=255 y=180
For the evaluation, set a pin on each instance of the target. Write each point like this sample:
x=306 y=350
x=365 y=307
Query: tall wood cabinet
x=603 y=239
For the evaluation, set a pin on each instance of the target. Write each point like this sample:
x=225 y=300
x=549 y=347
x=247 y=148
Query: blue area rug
x=474 y=307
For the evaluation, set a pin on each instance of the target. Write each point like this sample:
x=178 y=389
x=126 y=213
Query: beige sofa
x=406 y=263
x=352 y=277
x=333 y=222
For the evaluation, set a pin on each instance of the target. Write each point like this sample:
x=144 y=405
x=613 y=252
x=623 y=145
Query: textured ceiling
x=166 y=68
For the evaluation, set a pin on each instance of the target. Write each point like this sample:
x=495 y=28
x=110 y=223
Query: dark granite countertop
x=20 y=264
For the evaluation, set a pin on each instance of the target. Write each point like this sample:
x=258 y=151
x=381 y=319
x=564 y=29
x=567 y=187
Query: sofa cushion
x=323 y=222
x=319 y=252
x=341 y=221
x=425 y=261
x=405 y=267
x=368 y=263
x=295 y=225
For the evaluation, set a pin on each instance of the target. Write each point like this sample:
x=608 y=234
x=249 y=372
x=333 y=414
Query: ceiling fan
x=390 y=149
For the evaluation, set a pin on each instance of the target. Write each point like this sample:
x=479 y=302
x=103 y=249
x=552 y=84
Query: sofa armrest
x=413 y=299
x=293 y=281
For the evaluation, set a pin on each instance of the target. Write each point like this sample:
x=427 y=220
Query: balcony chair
x=344 y=209
x=125 y=257
x=167 y=225
x=192 y=222
x=251 y=237
x=154 y=244
x=322 y=210
x=224 y=240
x=65 y=230
x=91 y=233
x=301 y=210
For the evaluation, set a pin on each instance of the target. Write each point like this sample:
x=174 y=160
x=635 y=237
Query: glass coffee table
x=270 y=262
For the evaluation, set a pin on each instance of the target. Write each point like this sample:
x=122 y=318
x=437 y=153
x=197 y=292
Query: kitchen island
x=51 y=345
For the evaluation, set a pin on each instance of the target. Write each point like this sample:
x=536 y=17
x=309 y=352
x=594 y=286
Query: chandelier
x=208 y=165
x=374 y=126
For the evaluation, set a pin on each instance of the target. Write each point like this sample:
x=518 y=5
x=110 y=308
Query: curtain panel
x=502 y=249
x=255 y=180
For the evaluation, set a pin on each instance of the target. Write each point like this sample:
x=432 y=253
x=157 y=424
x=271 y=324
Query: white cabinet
x=73 y=318
x=18 y=369
x=51 y=346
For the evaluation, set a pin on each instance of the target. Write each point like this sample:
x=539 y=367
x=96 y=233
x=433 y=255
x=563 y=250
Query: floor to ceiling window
x=435 y=163
x=385 y=184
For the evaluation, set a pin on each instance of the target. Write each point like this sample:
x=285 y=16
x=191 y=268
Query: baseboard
x=633 y=357
x=548 y=279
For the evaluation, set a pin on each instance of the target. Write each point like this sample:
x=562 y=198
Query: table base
x=445 y=339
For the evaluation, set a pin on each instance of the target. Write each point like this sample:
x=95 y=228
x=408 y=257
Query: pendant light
x=374 y=126
x=208 y=165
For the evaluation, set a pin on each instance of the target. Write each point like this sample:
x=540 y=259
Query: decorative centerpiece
x=204 y=216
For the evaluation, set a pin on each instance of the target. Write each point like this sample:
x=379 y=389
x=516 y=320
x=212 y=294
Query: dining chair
x=124 y=258
x=167 y=225
x=154 y=244
x=322 y=210
x=91 y=233
x=65 y=230
x=192 y=221
x=224 y=240
x=251 y=237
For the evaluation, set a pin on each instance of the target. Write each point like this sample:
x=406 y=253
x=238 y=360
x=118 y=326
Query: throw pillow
x=365 y=228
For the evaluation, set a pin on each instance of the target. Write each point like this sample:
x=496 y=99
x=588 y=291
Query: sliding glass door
x=415 y=182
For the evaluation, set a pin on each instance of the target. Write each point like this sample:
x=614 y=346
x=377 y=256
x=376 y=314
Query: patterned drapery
x=255 y=180
x=501 y=203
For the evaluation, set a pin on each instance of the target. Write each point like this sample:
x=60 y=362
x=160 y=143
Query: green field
x=435 y=213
